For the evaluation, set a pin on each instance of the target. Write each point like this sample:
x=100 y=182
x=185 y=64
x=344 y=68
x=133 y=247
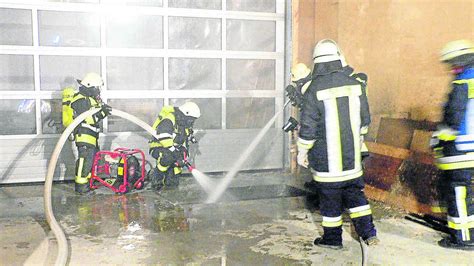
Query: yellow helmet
x=91 y=80
x=190 y=109
x=456 y=48
x=299 y=71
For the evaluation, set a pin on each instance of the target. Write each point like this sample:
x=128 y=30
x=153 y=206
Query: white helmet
x=190 y=109
x=299 y=71
x=456 y=48
x=326 y=50
x=91 y=80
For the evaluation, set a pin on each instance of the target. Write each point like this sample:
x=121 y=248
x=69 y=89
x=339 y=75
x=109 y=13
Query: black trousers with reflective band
x=456 y=190
x=335 y=199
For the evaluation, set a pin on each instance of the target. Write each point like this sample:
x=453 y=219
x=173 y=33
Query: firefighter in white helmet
x=174 y=129
x=453 y=144
x=334 y=113
x=349 y=71
x=86 y=135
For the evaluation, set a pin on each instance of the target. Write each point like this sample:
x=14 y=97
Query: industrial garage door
x=226 y=55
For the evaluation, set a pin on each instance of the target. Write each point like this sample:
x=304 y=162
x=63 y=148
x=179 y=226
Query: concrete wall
x=397 y=43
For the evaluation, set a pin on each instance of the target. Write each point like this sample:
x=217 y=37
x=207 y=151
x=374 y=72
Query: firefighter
x=454 y=143
x=360 y=77
x=334 y=113
x=174 y=128
x=86 y=134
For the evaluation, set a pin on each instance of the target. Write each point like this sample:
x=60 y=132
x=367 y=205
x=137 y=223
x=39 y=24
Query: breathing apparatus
x=300 y=81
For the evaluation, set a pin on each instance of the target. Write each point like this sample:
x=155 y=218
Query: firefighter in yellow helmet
x=86 y=135
x=174 y=129
x=300 y=81
x=453 y=144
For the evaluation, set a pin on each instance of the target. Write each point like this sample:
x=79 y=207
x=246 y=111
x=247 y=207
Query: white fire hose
x=62 y=257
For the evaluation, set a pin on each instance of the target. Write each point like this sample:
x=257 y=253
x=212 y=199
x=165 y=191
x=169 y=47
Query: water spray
x=217 y=193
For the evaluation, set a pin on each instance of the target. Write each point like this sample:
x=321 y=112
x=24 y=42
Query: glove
x=106 y=109
x=179 y=153
x=191 y=137
x=302 y=157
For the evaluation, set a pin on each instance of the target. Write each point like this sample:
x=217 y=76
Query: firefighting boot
x=372 y=241
x=171 y=179
x=157 y=179
x=82 y=188
x=450 y=243
x=326 y=244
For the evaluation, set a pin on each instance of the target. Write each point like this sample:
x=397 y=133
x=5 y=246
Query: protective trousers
x=84 y=163
x=334 y=199
x=457 y=193
x=165 y=173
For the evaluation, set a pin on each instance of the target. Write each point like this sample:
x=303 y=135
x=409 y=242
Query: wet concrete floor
x=265 y=218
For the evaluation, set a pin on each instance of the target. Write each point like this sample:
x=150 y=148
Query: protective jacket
x=171 y=134
x=334 y=115
x=454 y=154
x=87 y=132
x=457 y=148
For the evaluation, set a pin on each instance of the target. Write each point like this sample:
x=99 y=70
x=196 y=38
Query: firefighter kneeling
x=174 y=129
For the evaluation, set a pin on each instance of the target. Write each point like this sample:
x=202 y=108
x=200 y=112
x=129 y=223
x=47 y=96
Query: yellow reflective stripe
x=161 y=168
x=328 y=179
x=79 y=179
x=166 y=143
x=332 y=224
x=154 y=144
x=446 y=137
x=360 y=214
x=439 y=209
x=350 y=90
x=120 y=167
x=457 y=226
x=455 y=165
x=462 y=193
x=177 y=170
x=86 y=138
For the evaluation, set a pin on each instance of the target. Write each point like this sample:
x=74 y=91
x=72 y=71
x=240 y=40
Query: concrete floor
x=265 y=218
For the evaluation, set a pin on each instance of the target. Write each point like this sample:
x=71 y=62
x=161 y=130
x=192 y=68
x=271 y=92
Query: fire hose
x=62 y=256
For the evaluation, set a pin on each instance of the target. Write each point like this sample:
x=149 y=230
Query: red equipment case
x=103 y=173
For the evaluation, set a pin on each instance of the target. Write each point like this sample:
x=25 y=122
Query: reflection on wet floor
x=262 y=219
x=168 y=210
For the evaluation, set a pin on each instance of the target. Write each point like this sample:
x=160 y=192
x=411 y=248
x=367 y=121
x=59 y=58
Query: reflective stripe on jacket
x=335 y=110
x=169 y=132
x=459 y=116
x=88 y=131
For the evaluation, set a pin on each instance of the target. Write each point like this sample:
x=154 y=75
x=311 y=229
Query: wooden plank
x=387 y=150
x=404 y=202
